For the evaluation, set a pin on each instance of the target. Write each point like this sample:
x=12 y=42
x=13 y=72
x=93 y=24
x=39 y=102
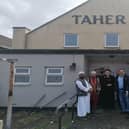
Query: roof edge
x=57 y=17
x=60 y=51
x=5 y=37
x=21 y=27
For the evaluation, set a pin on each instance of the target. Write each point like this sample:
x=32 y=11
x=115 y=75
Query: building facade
x=91 y=36
x=5 y=42
x=91 y=25
x=42 y=78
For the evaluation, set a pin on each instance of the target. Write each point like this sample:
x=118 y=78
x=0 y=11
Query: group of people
x=102 y=91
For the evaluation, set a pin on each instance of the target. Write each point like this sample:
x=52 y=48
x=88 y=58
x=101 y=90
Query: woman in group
x=107 y=90
x=95 y=83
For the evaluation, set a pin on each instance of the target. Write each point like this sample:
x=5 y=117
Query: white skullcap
x=81 y=72
x=93 y=72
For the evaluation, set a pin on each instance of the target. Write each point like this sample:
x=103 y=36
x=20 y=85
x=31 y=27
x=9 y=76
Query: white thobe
x=83 y=103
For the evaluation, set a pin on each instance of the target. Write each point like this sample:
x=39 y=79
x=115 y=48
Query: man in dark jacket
x=122 y=85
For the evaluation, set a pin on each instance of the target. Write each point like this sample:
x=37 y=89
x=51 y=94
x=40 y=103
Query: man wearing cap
x=83 y=95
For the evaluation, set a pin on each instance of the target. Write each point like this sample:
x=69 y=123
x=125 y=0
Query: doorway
x=102 y=62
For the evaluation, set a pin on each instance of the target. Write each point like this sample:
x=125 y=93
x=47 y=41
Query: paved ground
x=47 y=119
x=104 y=120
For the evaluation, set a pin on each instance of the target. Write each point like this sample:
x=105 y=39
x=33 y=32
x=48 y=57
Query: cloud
x=31 y=13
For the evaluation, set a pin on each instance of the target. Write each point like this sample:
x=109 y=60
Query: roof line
x=5 y=37
x=58 y=17
x=66 y=51
x=5 y=47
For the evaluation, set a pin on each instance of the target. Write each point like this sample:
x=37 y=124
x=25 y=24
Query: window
x=71 y=40
x=22 y=75
x=54 y=76
x=112 y=40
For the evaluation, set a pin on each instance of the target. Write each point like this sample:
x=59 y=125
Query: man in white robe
x=83 y=93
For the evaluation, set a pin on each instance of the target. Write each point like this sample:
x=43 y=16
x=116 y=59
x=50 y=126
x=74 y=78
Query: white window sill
x=71 y=46
x=54 y=84
x=111 y=46
x=22 y=84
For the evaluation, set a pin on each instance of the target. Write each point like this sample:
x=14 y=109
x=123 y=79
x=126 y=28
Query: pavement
x=108 y=119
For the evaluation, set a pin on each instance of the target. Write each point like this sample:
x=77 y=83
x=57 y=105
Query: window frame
x=47 y=73
x=111 y=46
x=71 y=46
x=28 y=73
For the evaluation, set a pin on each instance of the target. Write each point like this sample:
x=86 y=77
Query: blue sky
x=31 y=13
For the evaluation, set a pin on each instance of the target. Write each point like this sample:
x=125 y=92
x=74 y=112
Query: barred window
x=71 y=40
x=112 y=40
